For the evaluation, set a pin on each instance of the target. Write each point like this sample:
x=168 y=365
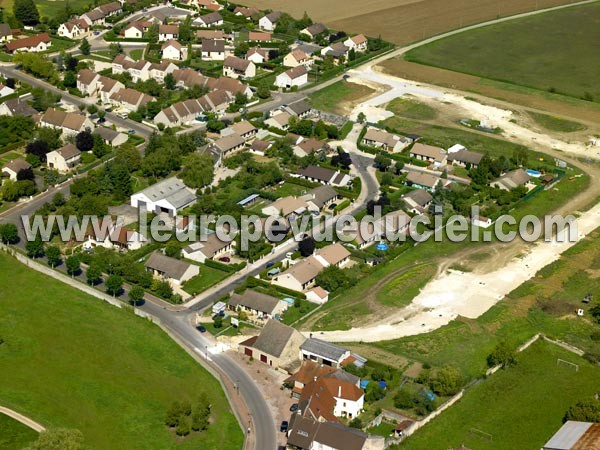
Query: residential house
x=317 y=295
x=459 y=155
x=325 y=176
x=321 y=197
x=298 y=77
x=301 y=109
x=16 y=107
x=575 y=435
x=187 y=111
x=511 y=180
x=64 y=159
x=69 y=123
x=214 y=34
x=5 y=90
x=213 y=49
x=87 y=82
x=434 y=155
x=111 y=9
x=327 y=398
x=210 y=248
x=257 y=304
x=117 y=237
x=285 y=206
x=107 y=87
x=280 y=121
x=130 y=99
x=158 y=71
x=259 y=146
x=139 y=70
x=306 y=433
x=6 y=33
x=298 y=58
x=314 y=30
x=358 y=43
x=234 y=67
x=169 y=269
x=210 y=20
x=243 y=128
x=136 y=30
x=209 y=4
x=174 y=51
x=301 y=276
x=269 y=21
x=417 y=201
x=94 y=17
x=168 y=33
x=310 y=371
x=33 y=44
x=167 y=196
x=12 y=168
x=374 y=137
x=257 y=55
x=229 y=144
x=323 y=352
x=422 y=180
x=111 y=137
x=277 y=345
x=73 y=29
x=337 y=51
x=259 y=36
x=333 y=255
x=245 y=12
x=307 y=146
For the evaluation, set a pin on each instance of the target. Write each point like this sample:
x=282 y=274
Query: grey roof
x=318 y=173
x=322 y=194
x=171 y=267
x=316 y=28
x=5 y=30
x=420 y=196
x=213 y=45
x=309 y=49
x=465 y=156
x=568 y=435
x=255 y=300
x=300 y=107
x=273 y=338
x=19 y=108
x=108 y=134
x=340 y=437
x=324 y=349
x=172 y=190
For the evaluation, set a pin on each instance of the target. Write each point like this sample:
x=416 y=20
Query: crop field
x=14 y=435
x=403 y=21
x=72 y=361
x=48 y=8
x=532 y=52
x=517 y=408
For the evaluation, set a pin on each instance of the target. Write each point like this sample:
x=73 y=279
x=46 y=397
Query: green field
x=330 y=98
x=516 y=408
x=412 y=109
x=556 y=123
x=553 y=52
x=49 y=8
x=72 y=361
x=14 y=435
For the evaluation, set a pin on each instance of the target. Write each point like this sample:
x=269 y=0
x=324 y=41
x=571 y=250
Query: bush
x=183 y=427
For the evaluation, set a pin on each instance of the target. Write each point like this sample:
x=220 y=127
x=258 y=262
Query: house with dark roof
x=234 y=67
x=111 y=137
x=296 y=76
x=257 y=304
x=374 y=137
x=323 y=352
x=325 y=176
x=417 y=201
x=229 y=144
x=210 y=248
x=314 y=30
x=170 y=269
x=69 y=123
x=277 y=345
x=422 y=180
x=320 y=197
x=511 y=180
x=269 y=21
x=209 y=20
x=300 y=109
x=6 y=33
x=434 y=155
x=213 y=49
x=16 y=107
x=300 y=276
x=459 y=155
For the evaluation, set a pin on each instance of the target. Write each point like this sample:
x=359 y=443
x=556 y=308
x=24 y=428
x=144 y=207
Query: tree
x=53 y=256
x=170 y=81
x=114 y=284
x=136 y=294
x=218 y=322
x=35 y=248
x=70 y=80
x=9 y=234
x=51 y=136
x=306 y=246
x=115 y=49
x=383 y=162
x=58 y=439
x=162 y=289
x=93 y=273
x=84 y=141
x=356 y=423
x=404 y=399
x=595 y=311
x=447 y=381
x=100 y=147
x=198 y=170
x=73 y=265
x=173 y=250
x=26 y=12
x=361 y=117
x=85 y=47
x=584 y=411
x=152 y=34
x=37 y=148
x=502 y=354
x=25 y=174
x=333 y=278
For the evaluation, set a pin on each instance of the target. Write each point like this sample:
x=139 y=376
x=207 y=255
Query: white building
x=297 y=76
x=167 y=196
x=269 y=21
x=64 y=159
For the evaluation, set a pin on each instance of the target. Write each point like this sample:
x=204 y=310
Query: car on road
x=225 y=259
x=284 y=426
x=346 y=76
x=132 y=131
x=96 y=33
x=201 y=328
x=108 y=110
x=294 y=407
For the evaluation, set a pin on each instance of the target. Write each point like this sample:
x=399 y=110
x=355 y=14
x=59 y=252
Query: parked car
x=132 y=131
x=270 y=264
x=201 y=328
x=284 y=426
x=96 y=33
x=332 y=206
x=294 y=407
x=101 y=120
x=108 y=110
x=225 y=259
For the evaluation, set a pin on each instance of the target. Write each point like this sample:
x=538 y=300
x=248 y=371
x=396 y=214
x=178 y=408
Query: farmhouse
x=169 y=269
x=12 y=168
x=174 y=51
x=257 y=304
x=269 y=21
x=325 y=176
x=511 y=180
x=235 y=67
x=327 y=398
x=213 y=49
x=170 y=196
x=300 y=276
x=428 y=153
x=422 y=180
x=33 y=44
x=210 y=20
x=64 y=159
x=168 y=33
x=276 y=345
x=298 y=76
x=211 y=248
x=357 y=43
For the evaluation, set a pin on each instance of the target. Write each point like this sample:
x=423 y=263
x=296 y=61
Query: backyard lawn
x=14 y=435
x=208 y=277
x=70 y=360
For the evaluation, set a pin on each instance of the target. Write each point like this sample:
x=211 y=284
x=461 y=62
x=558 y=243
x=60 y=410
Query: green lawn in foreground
x=14 y=435
x=70 y=360
x=520 y=407
x=556 y=123
x=208 y=277
x=551 y=51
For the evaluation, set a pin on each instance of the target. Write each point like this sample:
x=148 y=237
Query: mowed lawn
x=556 y=51
x=14 y=435
x=70 y=360
x=333 y=97
x=516 y=408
